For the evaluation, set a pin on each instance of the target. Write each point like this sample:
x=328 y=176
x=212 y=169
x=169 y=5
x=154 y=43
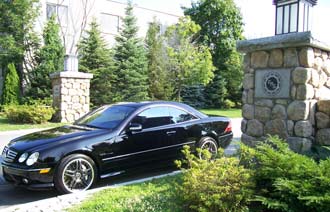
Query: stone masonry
x=294 y=117
x=70 y=95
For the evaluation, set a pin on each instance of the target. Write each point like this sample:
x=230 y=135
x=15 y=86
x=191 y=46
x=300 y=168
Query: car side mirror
x=135 y=127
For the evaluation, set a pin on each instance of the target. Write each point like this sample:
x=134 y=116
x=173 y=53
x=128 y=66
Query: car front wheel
x=75 y=173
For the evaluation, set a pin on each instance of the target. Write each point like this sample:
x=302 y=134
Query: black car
x=109 y=141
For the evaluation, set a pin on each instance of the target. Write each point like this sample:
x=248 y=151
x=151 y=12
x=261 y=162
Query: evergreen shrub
x=214 y=185
x=11 y=91
x=285 y=180
x=29 y=114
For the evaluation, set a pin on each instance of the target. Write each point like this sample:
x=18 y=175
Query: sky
x=258 y=16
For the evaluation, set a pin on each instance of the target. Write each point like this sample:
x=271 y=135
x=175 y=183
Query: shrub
x=194 y=96
x=215 y=185
x=287 y=181
x=228 y=104
x=11 y=90
x=33 y=114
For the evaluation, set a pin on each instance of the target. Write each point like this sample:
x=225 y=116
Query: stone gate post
x=284 y=78
x=70 y=92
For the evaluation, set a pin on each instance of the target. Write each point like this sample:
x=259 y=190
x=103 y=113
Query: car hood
x=52 y=136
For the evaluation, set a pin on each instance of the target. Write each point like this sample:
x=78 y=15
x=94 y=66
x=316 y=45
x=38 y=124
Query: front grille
x=8 y=155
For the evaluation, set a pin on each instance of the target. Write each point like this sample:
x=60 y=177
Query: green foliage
x=287 y=181
x=18 y=38
x=160 y=85
x=221 y=26
x=189 y=63
x=228 y=104
x=194 y=96
x=32 y=114
x=154 y=196
x=50 y=59
x=131 y=82
x=319 y=152
x=11 y=91
x=97 y=59
x=215 y=185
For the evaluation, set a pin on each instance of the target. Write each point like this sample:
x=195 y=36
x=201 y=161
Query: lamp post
x=293 y=15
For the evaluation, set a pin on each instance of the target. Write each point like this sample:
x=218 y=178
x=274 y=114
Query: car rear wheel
x=208 y=144
x=75 y=173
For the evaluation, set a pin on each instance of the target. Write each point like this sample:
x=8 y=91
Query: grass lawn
x=6 y=126
x=231 y=113
x=156 y=195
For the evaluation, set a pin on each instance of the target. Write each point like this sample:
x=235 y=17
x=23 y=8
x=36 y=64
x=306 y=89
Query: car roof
x=155 y=103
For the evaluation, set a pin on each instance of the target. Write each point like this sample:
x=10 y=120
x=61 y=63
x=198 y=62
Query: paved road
x=10 y=195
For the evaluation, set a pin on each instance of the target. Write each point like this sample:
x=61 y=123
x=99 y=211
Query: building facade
x=74 y=17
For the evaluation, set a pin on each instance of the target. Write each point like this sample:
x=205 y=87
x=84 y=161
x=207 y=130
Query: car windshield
x=106 y=117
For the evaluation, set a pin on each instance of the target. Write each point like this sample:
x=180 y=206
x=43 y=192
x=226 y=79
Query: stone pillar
x=70 y=94
x=284 y=78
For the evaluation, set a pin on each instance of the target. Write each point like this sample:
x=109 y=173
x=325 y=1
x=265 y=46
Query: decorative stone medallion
x=272 y=83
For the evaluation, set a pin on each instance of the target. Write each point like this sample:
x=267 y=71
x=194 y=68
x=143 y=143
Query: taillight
x=228 y=128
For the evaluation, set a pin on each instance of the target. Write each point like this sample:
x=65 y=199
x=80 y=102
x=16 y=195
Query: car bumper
x=224 y=140
x=29 y=178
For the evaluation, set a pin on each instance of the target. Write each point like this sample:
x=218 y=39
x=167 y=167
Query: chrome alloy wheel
x=210 y=146
x=78 y=175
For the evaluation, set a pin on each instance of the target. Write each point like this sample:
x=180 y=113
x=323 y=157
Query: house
x=74 y=16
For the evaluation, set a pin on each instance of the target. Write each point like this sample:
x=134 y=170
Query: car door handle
x=171 y=132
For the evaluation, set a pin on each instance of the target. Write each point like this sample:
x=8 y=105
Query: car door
x=187 y=132
x=148 y=145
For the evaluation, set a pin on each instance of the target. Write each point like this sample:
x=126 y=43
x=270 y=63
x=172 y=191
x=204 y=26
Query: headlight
x=32 y=159
x=23 y=157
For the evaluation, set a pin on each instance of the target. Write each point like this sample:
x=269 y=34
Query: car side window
x=153 y=117
x=178 y=116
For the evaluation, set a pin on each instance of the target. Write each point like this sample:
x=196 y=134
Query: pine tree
x=97 y=59
x=159 y=86
x=131 y=62
x=50 y=59
x=11 y=89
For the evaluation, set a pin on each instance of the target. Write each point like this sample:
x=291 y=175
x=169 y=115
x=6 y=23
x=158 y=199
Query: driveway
x=11 y=196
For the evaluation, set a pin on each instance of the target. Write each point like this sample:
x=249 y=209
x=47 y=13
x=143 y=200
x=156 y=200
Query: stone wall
x=70 y=95
x=307 y=63
x=323 y=123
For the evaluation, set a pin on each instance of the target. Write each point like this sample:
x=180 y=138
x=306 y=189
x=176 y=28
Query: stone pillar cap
x=71 y=74
x=298 y=39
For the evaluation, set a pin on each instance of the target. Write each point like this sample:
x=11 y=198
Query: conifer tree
x=11 y=90
x=130 y=61
x=160 y=86
x=50 y=59
x=97 y=59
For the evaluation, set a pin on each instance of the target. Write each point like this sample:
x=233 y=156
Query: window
x=178 y=116
x=107 y=117
x=109 y=23
x=153 y=117
x=61 y=12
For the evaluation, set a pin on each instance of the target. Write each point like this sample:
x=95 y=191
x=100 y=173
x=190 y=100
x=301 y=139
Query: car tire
x=75 y=173
x=210 y=144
